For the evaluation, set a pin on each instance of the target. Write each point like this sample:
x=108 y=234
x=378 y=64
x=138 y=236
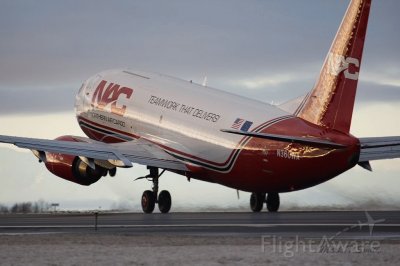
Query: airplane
x=370 y=222
x=199 y=132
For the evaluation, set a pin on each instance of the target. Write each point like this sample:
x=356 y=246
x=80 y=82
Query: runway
x=337 y=224
x=208 y=238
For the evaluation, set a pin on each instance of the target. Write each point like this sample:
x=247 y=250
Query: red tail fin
x=330 y=103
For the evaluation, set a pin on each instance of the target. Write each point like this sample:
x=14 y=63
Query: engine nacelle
x=72 y=168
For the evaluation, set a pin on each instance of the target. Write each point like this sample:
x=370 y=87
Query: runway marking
x=29 y=233
x=186 y=225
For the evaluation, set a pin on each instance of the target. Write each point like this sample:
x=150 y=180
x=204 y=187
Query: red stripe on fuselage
x=104 y=137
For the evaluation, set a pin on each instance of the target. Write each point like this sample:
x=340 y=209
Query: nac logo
x=107 y=97
x=338 y=63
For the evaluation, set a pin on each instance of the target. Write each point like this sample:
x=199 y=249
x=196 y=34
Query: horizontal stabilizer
x=285 y=138
x=379 y=148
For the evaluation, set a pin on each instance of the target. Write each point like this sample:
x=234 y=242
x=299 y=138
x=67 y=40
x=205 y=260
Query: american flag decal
x=238 y=123
x=241 y=124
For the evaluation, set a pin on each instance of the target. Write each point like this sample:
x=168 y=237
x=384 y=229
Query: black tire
x=257 y=201
x=164 y=201
x=112 y=172
x=273 y=202
x=148 y=201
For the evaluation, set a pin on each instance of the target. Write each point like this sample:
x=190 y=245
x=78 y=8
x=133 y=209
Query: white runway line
x=187 y=225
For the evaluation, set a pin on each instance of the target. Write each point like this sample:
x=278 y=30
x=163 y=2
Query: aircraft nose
x=82 y=97
x=79 y=99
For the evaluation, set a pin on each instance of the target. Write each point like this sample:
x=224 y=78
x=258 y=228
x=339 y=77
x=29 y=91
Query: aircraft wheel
x=257 y=201
x=148 y=201
x=164 y=201
x=273 y=202
x=112 y=172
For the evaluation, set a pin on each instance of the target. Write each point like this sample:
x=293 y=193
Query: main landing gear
x=149 y=197
x=271 y=199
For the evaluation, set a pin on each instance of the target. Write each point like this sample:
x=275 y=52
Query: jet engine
x=73 y=168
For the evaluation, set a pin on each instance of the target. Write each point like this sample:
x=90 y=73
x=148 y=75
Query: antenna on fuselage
x=204 y=82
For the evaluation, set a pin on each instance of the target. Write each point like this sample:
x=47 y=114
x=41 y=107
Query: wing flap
x=149 y=154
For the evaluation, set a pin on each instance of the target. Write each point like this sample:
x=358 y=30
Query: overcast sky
x=268 y=50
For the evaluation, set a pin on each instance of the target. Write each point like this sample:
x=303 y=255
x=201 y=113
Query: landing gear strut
x=257 y=201
x=149 y=197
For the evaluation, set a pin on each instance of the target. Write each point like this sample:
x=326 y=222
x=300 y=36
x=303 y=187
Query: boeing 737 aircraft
x=199 y=132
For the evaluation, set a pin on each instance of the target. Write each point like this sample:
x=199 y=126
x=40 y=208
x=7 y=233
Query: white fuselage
x=181 y=115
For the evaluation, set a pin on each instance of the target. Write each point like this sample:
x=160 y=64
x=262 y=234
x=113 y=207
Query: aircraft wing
x=119 y=154
x=379 y=148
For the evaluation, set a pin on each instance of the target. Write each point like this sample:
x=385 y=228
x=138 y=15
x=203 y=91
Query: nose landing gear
x=151 y=197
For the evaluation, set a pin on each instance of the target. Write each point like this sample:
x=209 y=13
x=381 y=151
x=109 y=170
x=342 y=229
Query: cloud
x=375 y=92
x=39 y=125
x=376 y=119
x=66 y=41
x=37 y=100
x=263 y=82
x=384 y=74
x=60 y=44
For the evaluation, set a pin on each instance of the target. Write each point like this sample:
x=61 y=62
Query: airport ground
x=301 y=238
